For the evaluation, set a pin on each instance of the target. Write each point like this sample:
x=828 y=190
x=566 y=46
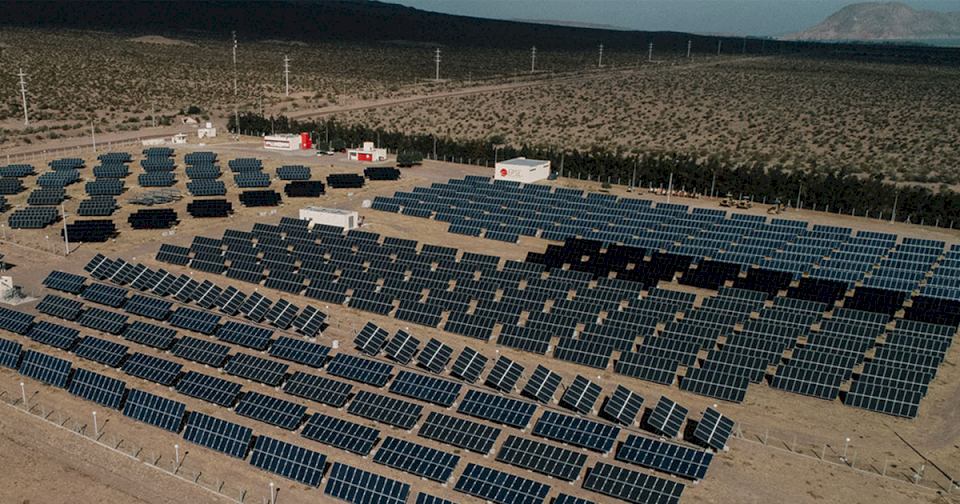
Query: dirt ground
x=785 y=468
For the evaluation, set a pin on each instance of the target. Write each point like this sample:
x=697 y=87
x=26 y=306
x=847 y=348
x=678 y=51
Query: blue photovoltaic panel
x=500 y=487
x=340 y=433
x=569 y=499
x=318 y=388
x=385 y=409
x=53 y=334
x=426 y=388
x=257 y=369
x=364 y=487
x=45 y=368
x=154 y=410
x=157 y=309
x=14 y=321
x=148 y=334
x=543 y=458
x=10 y=353
x=193 y=320
x=102 y=351
x=249 y=336
x=216 y=434
x=623 y=405
x=359 y=369
x=105 y=295
x=423 y=498
x=299 y=351
x=209 y=388
x=283 y=414
x=66 y=282
x=152 y=368
x=202 y=351
x=632 y=486
x=666 y=457
x=288 y=460
x=416 y=459
x=97 y=388
x=576 y=431
x=497 y=409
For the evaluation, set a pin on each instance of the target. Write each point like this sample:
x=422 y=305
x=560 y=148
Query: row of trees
x=817 y=187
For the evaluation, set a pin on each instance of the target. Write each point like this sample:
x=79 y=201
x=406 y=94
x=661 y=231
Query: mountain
x=883 y=21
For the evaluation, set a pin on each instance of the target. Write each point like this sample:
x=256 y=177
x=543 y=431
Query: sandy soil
x=157 y=39
x=749 y=472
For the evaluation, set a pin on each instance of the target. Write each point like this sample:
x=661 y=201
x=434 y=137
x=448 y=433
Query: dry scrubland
x=897 y=120
x=76 y=77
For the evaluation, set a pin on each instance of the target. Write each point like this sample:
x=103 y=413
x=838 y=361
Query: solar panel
x=497 y=409
x=173 y=254
x=152 y=368
x=249 y=336
x=149 y=334
x=667 y=417
x=255 y=307
x=416 y=459
x=318 y=388
x=385 y=409
x=500 y=487
x=402 y=347
x=469 y=365
x=543 y=458
x=309 y=321
x=713 y=429
x=102 y=351
x=209 y=388
x=45 y=368
x=283 y=414
x=303 y=352
x=581 y=395
x=666 y=457
x=157 y=309
x=56 y=306
x=202 y=351
x=576 y=431
x=542 y=384
x=632 y=486
x=103 y=320
x=219 y=435
x=459 y=432
x=426 y=388
x=97 y=388
x=53 y=334
x=623 y=406
x=360 y=369
x=10 y=353
x=257 y=369
x=288 y=460
x=340 y=433
x=66 y=282
x=229 y=302
x=194 y=320
x=154 y=410
x=358 y=486
x=371 y=338
x=504 y=374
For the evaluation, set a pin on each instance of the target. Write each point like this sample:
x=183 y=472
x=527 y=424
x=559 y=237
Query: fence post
x=824 y=452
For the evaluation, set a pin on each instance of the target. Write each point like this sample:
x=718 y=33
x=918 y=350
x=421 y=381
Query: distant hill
x=883 y=21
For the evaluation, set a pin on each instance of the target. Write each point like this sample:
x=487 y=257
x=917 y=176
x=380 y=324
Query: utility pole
x=719 y=45
x=744 y=45
x=650 y=52
x=689 y=45
x=533 y=59
x=894 y=214
x=66 y=239
x=236 y=105
x=438 y=65
x=93 y=129
x=23 y=93
x=286 y=72
x=670 y=187
x=600 y=62
x=153 y=114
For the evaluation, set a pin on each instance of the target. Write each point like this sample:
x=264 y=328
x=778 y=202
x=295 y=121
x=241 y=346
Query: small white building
x=330 y=216
x=284 y=141
x=368 y=153
x=208 y=132
x=522 y=170
x=179 y=138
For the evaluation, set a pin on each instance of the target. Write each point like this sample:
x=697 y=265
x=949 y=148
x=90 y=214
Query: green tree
x=322 y=146
x=407 y=159
x=337 y=144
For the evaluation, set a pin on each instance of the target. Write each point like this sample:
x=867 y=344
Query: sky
x=745 y=17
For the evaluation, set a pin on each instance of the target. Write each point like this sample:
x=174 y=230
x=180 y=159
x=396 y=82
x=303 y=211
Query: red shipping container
x=305 y=142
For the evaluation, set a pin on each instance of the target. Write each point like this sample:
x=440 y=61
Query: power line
x=23 y=92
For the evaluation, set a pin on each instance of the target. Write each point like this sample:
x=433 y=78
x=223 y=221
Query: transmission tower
x=23 y=93
x=236 y=105
x=533 y=59
x=650 y=52
x=286 y=72
x=689 y=44
x=719 y=45
x=600 y=61
x=437 y=59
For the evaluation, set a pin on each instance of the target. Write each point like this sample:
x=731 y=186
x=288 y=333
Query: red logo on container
x=503 y=172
